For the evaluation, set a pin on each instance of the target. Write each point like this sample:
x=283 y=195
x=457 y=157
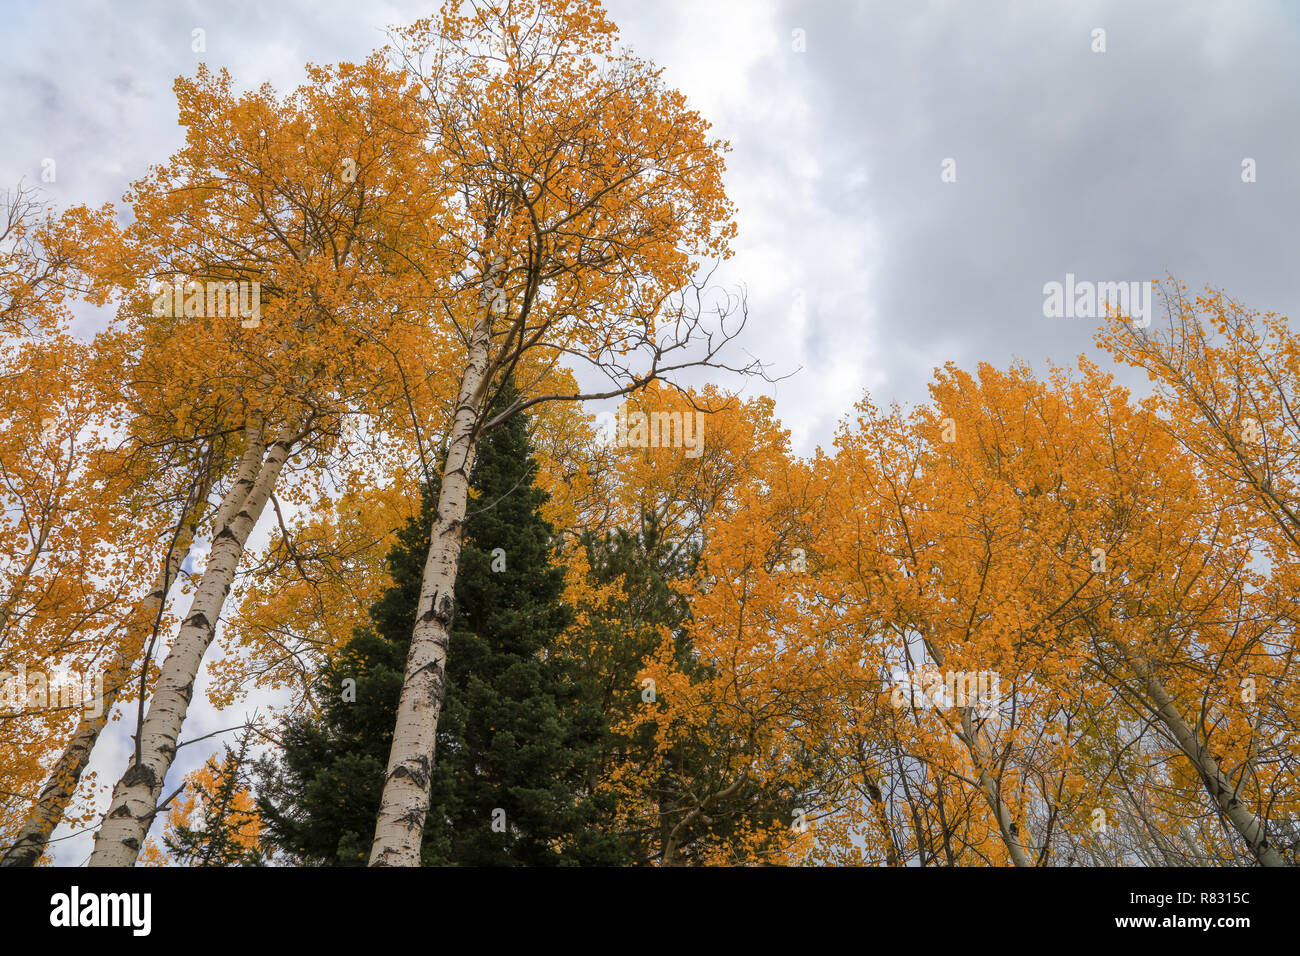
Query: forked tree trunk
x=882 y=813
x=990 y=786
x=135 y=798
x=1217 y=785
x=47 y=813
x=399 y=828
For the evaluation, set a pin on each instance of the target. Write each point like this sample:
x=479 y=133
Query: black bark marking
x=436 y=689
x=446 y=610
x=139 y=773
x=416 y=770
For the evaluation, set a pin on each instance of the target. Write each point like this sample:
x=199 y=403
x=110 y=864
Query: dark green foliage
x=614 y=649
x=526 y=724
x=514 y=734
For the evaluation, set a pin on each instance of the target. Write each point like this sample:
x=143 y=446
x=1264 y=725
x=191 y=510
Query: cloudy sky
x=864 y=267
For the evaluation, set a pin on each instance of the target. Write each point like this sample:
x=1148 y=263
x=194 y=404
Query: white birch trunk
x=973 y=737
x=992 y=789
x=1217 y=785
x=135 y=798
x=399 y=828
x=47 y=813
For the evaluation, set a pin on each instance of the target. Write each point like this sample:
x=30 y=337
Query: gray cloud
x=1118 y=165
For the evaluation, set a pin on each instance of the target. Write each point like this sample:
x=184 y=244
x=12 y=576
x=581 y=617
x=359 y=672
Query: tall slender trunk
x=399 y=828
x=882 y=813
x=991 y=786
x=135 y=798
x=1217 y=785
x=47 y=813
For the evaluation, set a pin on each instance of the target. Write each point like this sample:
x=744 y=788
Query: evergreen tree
x=525 y=747
x=614 y=648
x=515 y=741
x=224 y=836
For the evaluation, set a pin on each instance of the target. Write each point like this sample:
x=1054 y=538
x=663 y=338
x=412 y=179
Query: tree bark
x=47 y=813
x=1219 y=787
x=135 y=797
x=973 y=737
x=992 y=789
x=399 y=828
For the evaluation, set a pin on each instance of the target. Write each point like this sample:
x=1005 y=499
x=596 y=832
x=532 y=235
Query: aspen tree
x=262 y=194
x=587 y=187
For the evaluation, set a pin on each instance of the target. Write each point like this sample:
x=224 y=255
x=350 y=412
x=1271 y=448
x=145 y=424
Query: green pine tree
x=216 y=841
x=613 y=650
x=516 y=742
